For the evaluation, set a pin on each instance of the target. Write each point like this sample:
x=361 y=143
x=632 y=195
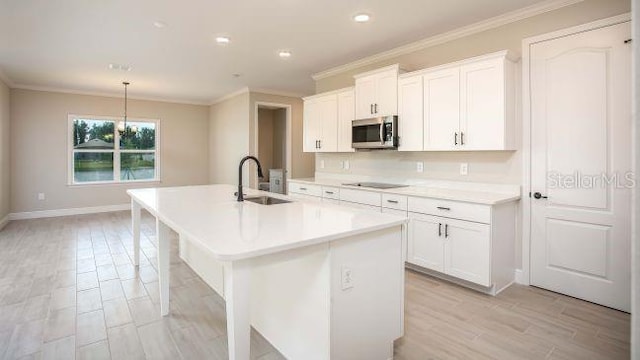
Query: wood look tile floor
x=68 y=290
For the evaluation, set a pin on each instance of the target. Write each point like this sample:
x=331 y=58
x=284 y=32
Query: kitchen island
x=318 y=281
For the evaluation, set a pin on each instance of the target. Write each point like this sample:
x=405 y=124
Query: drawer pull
x=443 y=208
x=329 y=192
x=392 y=201
x=303 y=189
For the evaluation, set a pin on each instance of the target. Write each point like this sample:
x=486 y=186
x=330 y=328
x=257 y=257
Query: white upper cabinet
x=346 y=114
x=410 y=121
x=441 y=109
x=376 y=93
x=486 y=105
x=327 y=121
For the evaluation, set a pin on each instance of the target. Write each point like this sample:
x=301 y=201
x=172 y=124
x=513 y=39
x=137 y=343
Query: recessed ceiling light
x=361 y=18
x=285 y=54
x=223 y=40
x=120 y=67
x=160 y=24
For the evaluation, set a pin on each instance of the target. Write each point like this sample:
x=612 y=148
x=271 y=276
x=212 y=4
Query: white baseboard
x=4 y=221
x=520 y=279
x=67 y=212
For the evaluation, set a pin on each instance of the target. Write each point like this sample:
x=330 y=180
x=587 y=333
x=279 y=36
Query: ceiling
x=68 y=44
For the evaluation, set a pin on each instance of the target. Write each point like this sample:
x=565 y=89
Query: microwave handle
x=382 y=133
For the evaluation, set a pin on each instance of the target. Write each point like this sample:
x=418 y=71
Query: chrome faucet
x=240 y=196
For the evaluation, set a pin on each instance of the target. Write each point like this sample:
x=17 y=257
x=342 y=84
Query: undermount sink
x=266 y=200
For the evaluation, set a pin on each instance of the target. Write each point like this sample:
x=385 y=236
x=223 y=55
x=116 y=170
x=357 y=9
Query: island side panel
x=202 y=263
x=291 y=301
x=367 y=294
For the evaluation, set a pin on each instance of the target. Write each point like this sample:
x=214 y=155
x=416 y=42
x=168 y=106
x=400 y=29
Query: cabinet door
x=310 y=125
x=386 y=102
x=365 y=96
x=328 y=124
x=426 y=241
x=442 y=109
x=467 y=251
x=346 y=114
x=410 y=119
x=482 y=105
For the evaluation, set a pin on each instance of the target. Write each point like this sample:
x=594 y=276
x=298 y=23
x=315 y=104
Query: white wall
x=265 y=140
x=635 y=274
x=5 y=147
x=39 y=149
x=228 y=139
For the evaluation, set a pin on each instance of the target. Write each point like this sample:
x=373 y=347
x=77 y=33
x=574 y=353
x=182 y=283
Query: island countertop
x=232 y=230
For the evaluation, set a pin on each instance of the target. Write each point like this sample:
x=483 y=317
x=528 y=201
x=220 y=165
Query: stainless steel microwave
x=375 y=133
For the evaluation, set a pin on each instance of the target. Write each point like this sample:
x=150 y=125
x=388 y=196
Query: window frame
x=116 y=151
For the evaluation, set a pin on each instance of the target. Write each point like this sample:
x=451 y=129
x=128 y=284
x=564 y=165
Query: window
x=102 y=153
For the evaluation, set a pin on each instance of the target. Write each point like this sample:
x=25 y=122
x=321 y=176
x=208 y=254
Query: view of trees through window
x=97 y=157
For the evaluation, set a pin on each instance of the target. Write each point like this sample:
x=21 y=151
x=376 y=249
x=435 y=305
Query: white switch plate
x=347 y=278
x=40 y=196
x=346 y=165
x=464 y=169
x=419 y=166
x=321 y=164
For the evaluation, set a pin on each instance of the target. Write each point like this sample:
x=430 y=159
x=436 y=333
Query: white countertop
x=482 y=196
x=231 y=230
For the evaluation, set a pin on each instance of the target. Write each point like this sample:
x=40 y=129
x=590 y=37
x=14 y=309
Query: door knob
x=537 y=195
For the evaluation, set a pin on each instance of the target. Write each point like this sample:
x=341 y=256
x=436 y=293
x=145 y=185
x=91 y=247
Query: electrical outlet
x=347 y=278
x=464 y=169
x=346 y=165
x=40 y=196
x=419 y=166
x=321 y=164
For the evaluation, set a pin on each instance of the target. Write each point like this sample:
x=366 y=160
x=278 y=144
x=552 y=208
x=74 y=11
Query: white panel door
x=442 y=109
x=328 y=124
x=386 y=94
x=365 y=96
x=410 y=119
x=310 y=127
x=482 y=105
x=467 y=250
x=426 y=241
x=346 y=114
x=581 y=159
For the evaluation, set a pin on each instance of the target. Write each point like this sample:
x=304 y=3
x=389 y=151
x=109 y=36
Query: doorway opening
x=273 y=123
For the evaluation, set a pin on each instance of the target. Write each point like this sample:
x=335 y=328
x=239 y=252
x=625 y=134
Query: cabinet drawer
x=330 y=193
x=313 y=190
x=451 y=209
x=361 y=197
x=395 y=212
x=392 y=201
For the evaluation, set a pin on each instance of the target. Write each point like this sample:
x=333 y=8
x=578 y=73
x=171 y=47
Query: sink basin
x=266 y=200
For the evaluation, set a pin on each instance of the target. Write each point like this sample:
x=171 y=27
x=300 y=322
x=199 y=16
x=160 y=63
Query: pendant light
x=123 y=129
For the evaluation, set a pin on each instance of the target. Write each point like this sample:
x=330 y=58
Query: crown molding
x=229 y=96
x=247 y=89
x=105 y=94
x=6 y=80
x=468 y=30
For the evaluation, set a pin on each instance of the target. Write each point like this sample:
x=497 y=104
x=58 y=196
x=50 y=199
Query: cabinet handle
x=303 y=189
x=375 y=108
x=371 y=108
x=316 y=144
x=319 y=144
x=461 y=138
x=443 y=208
x=446 y=230
x=439 y=229
x=455 y=139
x=329 y=192
x=392 y=201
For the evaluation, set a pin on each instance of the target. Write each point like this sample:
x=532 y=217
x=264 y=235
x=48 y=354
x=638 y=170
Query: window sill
x=114 y=183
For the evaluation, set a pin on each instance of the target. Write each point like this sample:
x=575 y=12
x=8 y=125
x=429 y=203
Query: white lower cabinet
x=470 y=242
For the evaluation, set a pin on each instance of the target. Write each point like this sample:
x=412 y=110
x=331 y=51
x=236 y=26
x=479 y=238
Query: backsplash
x=500 y=167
